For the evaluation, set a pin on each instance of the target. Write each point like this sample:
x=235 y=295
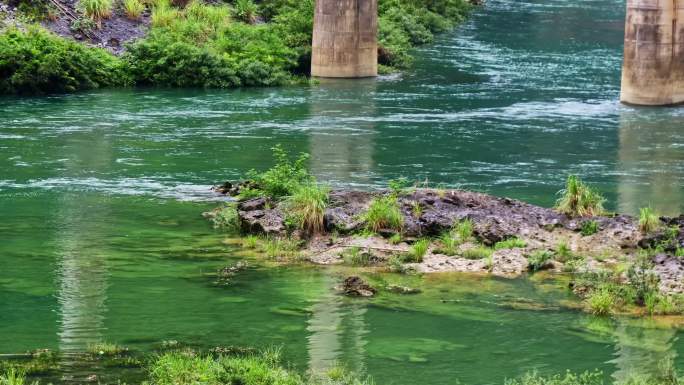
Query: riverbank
x=176 y=364
x=618 y=263
x=190 y=44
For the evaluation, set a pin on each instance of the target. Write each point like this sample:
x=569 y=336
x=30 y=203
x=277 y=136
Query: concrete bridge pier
x=345 y=39
x=653 y=67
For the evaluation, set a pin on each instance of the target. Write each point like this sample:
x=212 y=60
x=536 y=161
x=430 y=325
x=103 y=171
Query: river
x=101 y=237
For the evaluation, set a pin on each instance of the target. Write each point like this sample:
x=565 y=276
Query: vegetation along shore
x=617 y=263
x=69 y=45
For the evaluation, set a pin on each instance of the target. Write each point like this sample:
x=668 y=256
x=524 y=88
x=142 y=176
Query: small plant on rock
x=601 y=302
x=306 y=207
x=285 y=177
x=578 y=199
x=648 y=220
x=564 y=252
x=510 y=243
x=589 y=228
x=478 y=252
x=539 y=260
x=384 y=214
x=448 y=244
x=418 y=250
x=464 y=230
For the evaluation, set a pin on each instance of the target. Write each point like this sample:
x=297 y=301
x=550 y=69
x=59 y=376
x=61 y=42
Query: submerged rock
x=357 y=287
x=403 y=289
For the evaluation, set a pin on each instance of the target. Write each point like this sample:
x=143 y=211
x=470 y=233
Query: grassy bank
x=193 y=44
x=244 y=366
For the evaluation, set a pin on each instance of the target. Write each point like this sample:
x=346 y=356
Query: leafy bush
x=578 y=199
x=246 y=11
x=37 y=62
x=384 y=214
x=285 y=177
x=648 y=220
x=200 y=47
x=601 y=302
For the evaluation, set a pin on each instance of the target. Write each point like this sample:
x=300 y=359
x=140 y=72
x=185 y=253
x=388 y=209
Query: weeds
x=578 y=199
x=478 y=252
x=418 y=250
x=416 y=209
x=285 y=177
x=282 y=248
x=226 y=218
x=14 y=377
x=246 y=11
x=648 y=220
x=395 y=239
x=464 y=230
x=384 y=214
x=510 y=243
x=539 y=260
x=589 y=228
x=399 y=187
x=133 y=9
x=96 y=9
x=449 y=244
x=354 y=256
x=306 y=207
x=250 y=242
x=563 y=252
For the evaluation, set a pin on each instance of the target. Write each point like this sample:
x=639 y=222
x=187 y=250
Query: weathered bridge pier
x=345 y=39
x=653 y=67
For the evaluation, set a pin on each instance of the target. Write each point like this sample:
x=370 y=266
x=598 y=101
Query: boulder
x=357 y=287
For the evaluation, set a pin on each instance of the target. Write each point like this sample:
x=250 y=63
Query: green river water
x=101 y=237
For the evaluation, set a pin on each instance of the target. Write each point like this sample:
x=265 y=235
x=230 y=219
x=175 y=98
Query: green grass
x=383 y=214
x=395 y=239
x=163 y=15
x=106 y=349
x=563 y=252
x=282 y=248
x=648 y=220
x=478 y=252
x=418 y=250
x=580 y=200
x=14 y=377
x=589 y=228
x=601 y=302
x=306 y=207
x=539 y=259
x=245 y=11
x=250 y=242
x=96 y=9
x=510 y=243
x=133 y=9
x=416 y=209
x=448 y=244
x=464 y=230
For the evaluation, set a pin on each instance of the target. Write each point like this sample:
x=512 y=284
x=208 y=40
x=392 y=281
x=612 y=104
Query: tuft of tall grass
x=282 y=248
x=539 y=259
x=510 y=243
x=464 y=230
x=250 y=242
x=449 y=244
x=589 y=228
x=478 y=252
x=306 y=207
x=163 y=15
x=563 y=252
x=133 y=9
x=418 y=250
x=215 y=16
x=601 y=302
x=96 y=9
x=14 y=377
x=578 y=199
x=384 y=213
x=648 y=220
x=354 y=256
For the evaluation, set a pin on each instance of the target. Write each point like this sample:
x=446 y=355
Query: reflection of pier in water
x=340 y=152
x=651 y=162
x=82 y=265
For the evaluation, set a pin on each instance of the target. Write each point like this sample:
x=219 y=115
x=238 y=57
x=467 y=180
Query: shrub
x=96 y=9
x=601 y=302
x=478 y=252
x=133 y=9
x=246 y=11
x=510 y=243
x=306 y=207
x=539 y=260
x=578 y=199
x=648 y=220
x=384 y=214
x=418 y=250
x=286 y=176
x=37 y=62
x=589 y=228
